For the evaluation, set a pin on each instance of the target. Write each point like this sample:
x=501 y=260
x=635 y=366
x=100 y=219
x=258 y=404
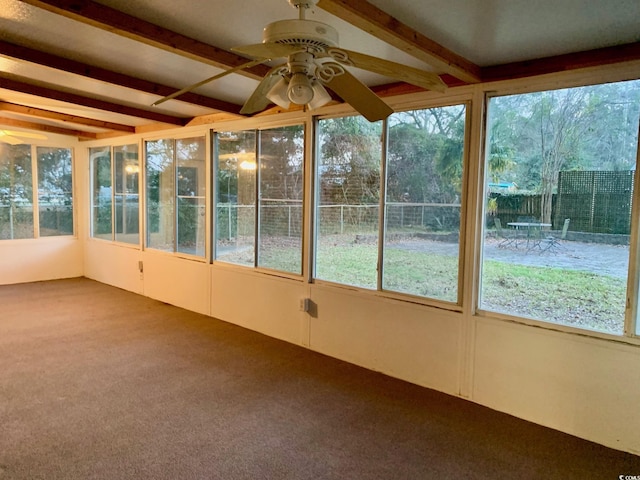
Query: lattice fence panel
x=595 y=201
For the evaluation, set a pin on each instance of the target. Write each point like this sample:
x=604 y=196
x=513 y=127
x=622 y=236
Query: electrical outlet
x=305 y=304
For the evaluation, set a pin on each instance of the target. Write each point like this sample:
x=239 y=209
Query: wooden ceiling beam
x=63 y=117
x=40 y=127
x=59 y=63
x=561 y=63
x=115 y=21
x=6 y=81
x=380 y=24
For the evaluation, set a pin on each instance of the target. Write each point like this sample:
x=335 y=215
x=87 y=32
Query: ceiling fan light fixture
x=279 y=94
x=300 y=90
x=248 y=165
x=320 y=96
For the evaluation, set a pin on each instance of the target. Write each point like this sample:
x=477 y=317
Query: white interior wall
x=114 y=264
x=48 y=258
x=584 y=386
x=264 y=303
x=581 y=385
x=178 y=281
x=413 y=342
x=40 y=259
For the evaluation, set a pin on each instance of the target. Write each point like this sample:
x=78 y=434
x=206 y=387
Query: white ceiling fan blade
x=414 y=76
x=258 y=100
x=210 y=79
x=14 y=133
x=268 y=50
x=15 y=138
x=4 y=138
x=359 y=96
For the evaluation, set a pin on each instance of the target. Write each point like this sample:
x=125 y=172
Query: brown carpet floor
x=99 y=383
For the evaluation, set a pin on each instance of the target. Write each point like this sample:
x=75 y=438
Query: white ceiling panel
x=229 y=24
x=492 y=32
x=64 y=37
x=489 y=32
x=95 y=89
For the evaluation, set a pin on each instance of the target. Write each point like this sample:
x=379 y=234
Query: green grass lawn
x=569 y=297
x=564 y=296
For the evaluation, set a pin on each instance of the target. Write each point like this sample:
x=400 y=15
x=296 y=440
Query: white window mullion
x=35 y=192
x=175 y=195
x=257 y=203
x=382 y=223
x=631 y=322
x=113 y=194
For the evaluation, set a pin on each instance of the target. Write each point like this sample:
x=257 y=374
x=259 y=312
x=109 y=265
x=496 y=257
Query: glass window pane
x=636 y=321
x=55 y=191
x=348 y=193
x=101 y=211
x=16 y=192
x=191 y=185
x=558 y=204
x=160 y=195
x=422 y=208
x=127 y=205
x=236 y=196
x=281 y=191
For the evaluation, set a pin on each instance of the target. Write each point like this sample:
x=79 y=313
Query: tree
x=16 y=192
x=282 y=162
x=558 y=122
x=411 y=169
x=55 y=191
x=349 y=166
x=584 y=128
x=425 y=156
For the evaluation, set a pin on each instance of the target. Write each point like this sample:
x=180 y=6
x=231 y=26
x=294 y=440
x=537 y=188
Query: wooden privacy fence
x=512 y=207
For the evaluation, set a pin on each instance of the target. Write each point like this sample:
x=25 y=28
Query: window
x=191 y=196
x=50 y=213
x=55 y=192
x=423 y=201
x=633 y=300
x=126 y=202
x=235 y=204
x=260 y=190
x=280 y=198
x=423 y=177
x=558 y=195
x=115 y=201
x=16 y=192
x=176 y=205
x=349 y=157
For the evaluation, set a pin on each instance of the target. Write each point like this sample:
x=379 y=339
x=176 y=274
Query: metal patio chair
x=502 y=235
x=552 y=243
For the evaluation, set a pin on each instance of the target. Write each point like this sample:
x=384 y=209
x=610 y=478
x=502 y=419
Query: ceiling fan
x=16 y=138
x=315 y=61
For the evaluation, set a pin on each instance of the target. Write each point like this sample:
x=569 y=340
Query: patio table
x=534 y=230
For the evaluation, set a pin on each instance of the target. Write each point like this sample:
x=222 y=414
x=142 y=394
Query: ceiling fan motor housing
x=316 y=36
